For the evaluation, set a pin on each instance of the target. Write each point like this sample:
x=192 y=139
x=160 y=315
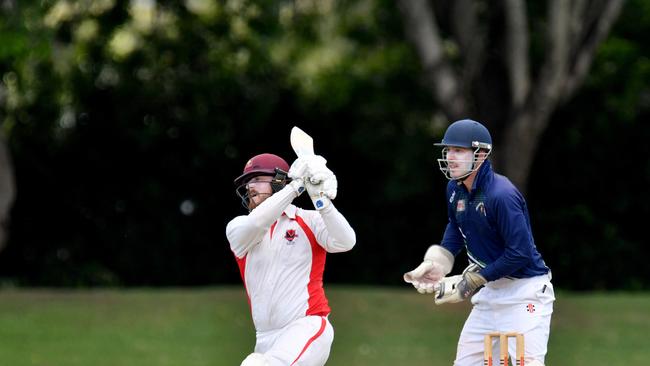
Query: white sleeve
x=333 y=232
x=244 y=232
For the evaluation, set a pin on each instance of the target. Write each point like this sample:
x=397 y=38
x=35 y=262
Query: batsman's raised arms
x=320 y=181
x=308 y=165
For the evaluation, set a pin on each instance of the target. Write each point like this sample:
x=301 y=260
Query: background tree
x=13 y=37
x=480 y=59
x=127 y=121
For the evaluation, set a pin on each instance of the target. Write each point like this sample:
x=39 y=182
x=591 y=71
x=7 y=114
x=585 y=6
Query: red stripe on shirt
x=241 y=263
x=273 y=228
x=317 y=303
x=312 y=339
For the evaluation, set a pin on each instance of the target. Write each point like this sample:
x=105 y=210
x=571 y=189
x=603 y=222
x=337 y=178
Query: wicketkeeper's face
x=259 y=188
x=460 y=161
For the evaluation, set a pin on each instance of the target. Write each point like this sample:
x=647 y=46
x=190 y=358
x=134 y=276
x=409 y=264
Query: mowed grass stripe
x=211 y=326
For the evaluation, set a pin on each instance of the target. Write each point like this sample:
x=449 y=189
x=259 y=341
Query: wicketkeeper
x=281 y=250
x=507 y=280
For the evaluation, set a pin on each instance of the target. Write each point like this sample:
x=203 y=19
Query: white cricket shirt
x=280 y=250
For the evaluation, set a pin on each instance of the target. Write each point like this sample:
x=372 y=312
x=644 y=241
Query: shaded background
x=125 y=123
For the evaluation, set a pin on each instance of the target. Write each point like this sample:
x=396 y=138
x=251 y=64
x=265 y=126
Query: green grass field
x=374 y=326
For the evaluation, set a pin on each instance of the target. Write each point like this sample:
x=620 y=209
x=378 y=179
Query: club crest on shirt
x=530 y=308
x=290 y=235
x=460 y=205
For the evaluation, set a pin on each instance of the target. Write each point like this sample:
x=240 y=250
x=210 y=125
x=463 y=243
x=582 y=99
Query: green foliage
x=591 y=166
x=128 y=120
x=138 y=113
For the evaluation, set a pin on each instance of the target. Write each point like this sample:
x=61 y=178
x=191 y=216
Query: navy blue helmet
x=467 y=133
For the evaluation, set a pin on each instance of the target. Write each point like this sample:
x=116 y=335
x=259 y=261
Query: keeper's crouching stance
x=507 y=280
x=280 y=250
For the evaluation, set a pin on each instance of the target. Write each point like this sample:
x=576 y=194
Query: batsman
x=281 y=249
x=507 y=281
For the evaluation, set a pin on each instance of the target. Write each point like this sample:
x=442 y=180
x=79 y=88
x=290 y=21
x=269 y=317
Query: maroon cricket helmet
x=262 y=164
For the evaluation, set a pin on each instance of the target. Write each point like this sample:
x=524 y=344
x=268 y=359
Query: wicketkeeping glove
x=425 y=277
x=438 y=261
x=460 y=287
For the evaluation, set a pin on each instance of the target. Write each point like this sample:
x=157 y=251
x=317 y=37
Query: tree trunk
x=518 y=149
x=573 y=32
x=7 y=190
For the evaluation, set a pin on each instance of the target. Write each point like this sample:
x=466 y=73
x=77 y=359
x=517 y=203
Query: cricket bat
x=301 y=142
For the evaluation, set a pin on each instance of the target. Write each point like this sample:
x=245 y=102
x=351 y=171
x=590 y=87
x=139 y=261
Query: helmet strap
x=279 y=180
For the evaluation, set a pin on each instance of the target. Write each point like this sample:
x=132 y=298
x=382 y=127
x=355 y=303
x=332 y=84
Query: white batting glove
x=322 y=193
x=298 y=168
x=327 y=185
x=317 y=170
x=331 y=187
x=312 y=167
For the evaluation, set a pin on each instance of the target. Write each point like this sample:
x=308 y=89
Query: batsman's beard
x=261 y=198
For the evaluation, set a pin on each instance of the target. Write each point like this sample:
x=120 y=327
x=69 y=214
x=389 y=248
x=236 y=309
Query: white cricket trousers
x=303 y=342
x=508 y=305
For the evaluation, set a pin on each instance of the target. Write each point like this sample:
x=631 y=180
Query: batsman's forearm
x=244 y=232
x=340 y=236
x=272 y=208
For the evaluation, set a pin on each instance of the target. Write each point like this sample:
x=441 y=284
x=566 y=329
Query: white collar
x=290 y=211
